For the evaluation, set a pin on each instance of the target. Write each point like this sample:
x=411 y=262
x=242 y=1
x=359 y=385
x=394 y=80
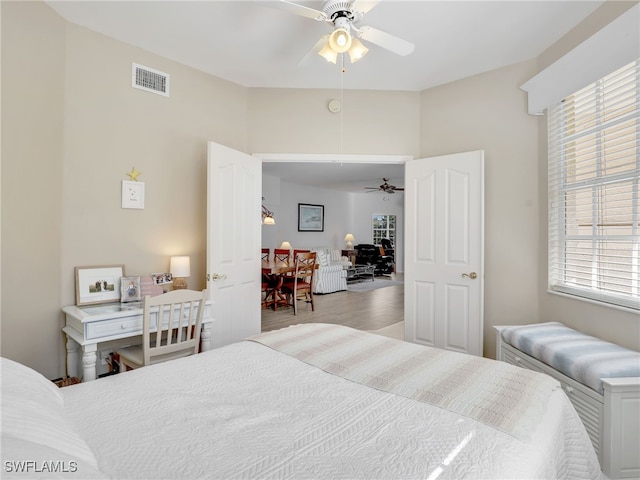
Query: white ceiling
x=257 y=44
x=346 y=177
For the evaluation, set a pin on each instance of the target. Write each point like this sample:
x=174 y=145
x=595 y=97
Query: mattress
x=248 y=411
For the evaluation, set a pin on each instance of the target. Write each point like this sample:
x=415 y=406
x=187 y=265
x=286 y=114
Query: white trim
x=332 y=158
x=616 y=45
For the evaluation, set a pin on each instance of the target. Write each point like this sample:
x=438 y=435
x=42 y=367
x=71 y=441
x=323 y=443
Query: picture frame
x=98 y=284
x=161 y=278
x=310 y=218
x=132 y=194
x=130 y=289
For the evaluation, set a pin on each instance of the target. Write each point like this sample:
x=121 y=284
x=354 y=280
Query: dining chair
x=171 y=325
x=266 y=279
x=301 y=282
x=281 y=255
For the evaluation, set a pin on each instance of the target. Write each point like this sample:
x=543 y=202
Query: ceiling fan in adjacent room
x=385 y=187
x=344 y=16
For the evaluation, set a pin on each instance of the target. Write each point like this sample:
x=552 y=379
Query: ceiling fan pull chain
x=342 y=103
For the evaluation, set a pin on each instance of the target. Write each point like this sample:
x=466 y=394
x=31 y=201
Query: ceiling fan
x=344 y=16
x=385 y=187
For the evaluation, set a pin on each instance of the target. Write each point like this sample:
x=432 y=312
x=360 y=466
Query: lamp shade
x=268 y=221
x=328 y=54
x=285 y=246
x=357 y=50
x=180 y=266
x=340 y=40
x=349 y=238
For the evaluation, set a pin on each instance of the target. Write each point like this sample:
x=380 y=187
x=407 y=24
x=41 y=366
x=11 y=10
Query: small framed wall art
x=98 y=284
x=310 y=218
x=130 y=290
x=132 y=194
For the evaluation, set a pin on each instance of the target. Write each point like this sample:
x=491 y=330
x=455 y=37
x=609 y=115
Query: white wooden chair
x=171 y=326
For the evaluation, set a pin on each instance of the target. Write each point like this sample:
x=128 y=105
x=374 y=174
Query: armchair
x=367 y=254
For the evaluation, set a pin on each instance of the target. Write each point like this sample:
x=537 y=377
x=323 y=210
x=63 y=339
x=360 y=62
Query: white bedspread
x=247 y=411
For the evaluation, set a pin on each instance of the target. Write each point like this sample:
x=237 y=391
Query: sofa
x=331 y=274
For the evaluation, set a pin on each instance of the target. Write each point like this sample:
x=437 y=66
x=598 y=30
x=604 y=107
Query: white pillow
x=33 y=414
x=322 y=258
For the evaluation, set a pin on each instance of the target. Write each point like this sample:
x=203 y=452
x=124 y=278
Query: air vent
x=148 y=79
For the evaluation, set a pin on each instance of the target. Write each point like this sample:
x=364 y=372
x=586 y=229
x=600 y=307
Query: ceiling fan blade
x=386 y=40
x=302 y=11
x=314 y=50
x=363 y=6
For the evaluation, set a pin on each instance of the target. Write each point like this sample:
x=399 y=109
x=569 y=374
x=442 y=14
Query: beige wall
x=488 y=112
x=72 y=128
x=33 y=40
x=298 y=121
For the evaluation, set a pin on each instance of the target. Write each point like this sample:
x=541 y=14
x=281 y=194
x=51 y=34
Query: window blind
x=594 y=184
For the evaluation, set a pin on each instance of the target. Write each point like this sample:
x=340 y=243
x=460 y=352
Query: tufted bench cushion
x=584 y=358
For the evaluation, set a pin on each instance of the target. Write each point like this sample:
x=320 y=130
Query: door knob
x=472 y=275
x=215 y=277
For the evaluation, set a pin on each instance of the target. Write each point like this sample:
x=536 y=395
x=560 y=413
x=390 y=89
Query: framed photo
x=132 y=194
x=99 y=284
x=161 y=278
x=310 y=218
x=130 y=290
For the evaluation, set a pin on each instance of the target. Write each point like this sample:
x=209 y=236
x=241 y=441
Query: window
x=594 y=184
x=384 y=226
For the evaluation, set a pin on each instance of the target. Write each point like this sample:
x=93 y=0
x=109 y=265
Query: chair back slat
x=172 y=324
x=305 y=267
x=265 y=254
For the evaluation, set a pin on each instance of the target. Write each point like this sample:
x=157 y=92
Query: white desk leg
x=72 y=357
x=205 y=338
x=89 y=357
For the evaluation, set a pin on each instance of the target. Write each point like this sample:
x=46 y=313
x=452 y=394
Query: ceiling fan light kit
x=344 y=16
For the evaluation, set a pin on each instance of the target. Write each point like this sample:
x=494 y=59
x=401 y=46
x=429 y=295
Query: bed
x=311 y=401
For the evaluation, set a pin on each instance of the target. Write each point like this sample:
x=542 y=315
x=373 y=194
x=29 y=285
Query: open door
x=444 y=251
x=234 y=185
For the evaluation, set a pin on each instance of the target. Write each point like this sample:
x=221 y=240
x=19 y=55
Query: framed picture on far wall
x=98 y=284
x=310 y=218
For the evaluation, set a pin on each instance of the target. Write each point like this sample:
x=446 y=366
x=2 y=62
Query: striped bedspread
x=584 y=358
x=502 y=396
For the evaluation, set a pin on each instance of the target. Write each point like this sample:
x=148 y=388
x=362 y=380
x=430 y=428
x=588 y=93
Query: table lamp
x=349 y=238
x=180 y=269
x=285 y=246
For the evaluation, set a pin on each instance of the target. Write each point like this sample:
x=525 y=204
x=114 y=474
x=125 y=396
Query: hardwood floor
x=362 y=310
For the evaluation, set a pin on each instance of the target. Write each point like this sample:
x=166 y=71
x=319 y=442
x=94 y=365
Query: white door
x=234 y=185
x=444 y=251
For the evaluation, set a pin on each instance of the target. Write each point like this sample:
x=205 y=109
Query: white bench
x=607 y=403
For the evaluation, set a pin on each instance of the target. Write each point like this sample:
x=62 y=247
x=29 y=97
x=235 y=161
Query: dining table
x=275 y=272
